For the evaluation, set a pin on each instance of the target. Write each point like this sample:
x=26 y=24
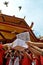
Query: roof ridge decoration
x=0 y=11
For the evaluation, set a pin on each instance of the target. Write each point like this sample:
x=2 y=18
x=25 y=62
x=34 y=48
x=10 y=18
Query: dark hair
x=13 y=50
x=18 y=51
x=4 y=42
x=21 y=51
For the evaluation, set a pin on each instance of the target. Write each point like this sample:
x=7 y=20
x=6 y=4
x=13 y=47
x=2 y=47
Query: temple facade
x=10 y=26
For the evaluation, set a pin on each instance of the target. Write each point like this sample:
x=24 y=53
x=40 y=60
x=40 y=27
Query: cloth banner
x=24 y=36
x=19 y=42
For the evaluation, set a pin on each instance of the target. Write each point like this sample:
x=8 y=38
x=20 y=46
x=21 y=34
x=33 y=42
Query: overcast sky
x=32 y=9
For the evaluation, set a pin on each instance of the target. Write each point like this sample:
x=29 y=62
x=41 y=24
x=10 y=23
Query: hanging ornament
x=24 y=17
x=32 y=24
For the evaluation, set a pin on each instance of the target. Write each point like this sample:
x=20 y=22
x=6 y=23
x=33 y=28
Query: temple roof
x=10 y=26
x=13 y=20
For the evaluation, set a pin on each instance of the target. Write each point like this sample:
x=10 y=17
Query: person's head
x=21 y=53
x=27 y=50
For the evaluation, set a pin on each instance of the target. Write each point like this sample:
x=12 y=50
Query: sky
x=32 y=9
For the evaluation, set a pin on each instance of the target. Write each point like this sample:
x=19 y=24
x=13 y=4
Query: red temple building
x=10 y=26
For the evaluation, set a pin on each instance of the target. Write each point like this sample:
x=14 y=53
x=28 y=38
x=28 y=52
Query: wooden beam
x=39 y=44
x=11 y=28
x=8 y=35
x=34 y=51
x=2 y=35
x=5 y=31
x=35 y=48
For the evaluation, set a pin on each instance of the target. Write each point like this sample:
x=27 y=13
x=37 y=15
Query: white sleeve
x=16 y=62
